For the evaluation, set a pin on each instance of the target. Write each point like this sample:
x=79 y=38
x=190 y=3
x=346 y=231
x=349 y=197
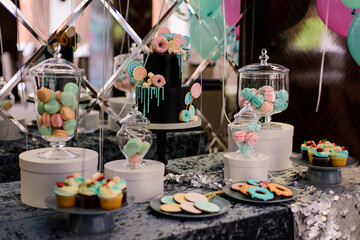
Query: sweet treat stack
x=324 y=153
x=91 y=193
x=262 y=190
x=57 y=111
x=160 y=94
x=192 y=202
x=265 y=99
x=247 y=138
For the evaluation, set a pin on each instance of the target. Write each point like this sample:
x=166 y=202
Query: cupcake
x=110 y=196
x=310 y=154
x=338 y=157
x=76 y=178
x=320 y=157
x=87 y=197
x=120 y=182
x=99 y=179
x=304 y=149
x=66 y=194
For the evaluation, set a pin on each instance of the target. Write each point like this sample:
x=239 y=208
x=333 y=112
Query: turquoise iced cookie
x=184 y=116
x=192 y=111
x=280 y=104
x=52 y=107
x=186 y=41
x=260 y=193
x=131 y=66
x=168 y=199
x=53 y=95
x=69 y=125
x=245 y=148
x=253 y=182
x=247 y=93
x=68 y=99
x=207 y=206
x=253 y=127
x=71 y=87
x=258 y=100
x=45 y=131
x=40 y=108
x=283 y=95
x=144 y=148
x=188 y=98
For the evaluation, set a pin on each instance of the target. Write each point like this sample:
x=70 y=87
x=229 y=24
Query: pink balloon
x=339 y=17
x=232 y=13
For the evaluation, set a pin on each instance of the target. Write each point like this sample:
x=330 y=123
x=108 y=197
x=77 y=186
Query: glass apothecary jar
x=134 y=138
x=57 y=91
x=245 y=131
x=266 y=86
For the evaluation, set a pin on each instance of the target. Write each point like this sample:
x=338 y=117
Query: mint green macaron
x=52 y=107
x=69 y=125
x=53 y=95
x=71 y=87
x=45 y=131
x=67 y=99
x=40 y=108
x=144 y=148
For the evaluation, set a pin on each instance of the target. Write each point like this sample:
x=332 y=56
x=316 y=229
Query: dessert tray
x=174 y=126
x=239 y=196
x=221 y=202
x=323 y=175
x=88 y=220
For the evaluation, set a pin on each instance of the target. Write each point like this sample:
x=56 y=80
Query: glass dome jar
x=245 y=131
x=134 y=138
x=125 y=82
x=57 y=90
x=9 y=100
x=265 y=86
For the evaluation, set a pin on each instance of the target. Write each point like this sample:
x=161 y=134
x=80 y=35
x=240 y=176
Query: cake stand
x=162 y=128
x=88 y=220
x=322 y=175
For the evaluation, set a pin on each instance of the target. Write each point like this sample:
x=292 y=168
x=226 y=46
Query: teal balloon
x=353 y=4
x=202 y=39
x=353 y=39
x=207 y=6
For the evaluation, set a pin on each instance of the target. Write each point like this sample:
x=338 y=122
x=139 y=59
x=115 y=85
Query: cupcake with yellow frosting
x=110 y=196
x=338 y=157
x=66 y=194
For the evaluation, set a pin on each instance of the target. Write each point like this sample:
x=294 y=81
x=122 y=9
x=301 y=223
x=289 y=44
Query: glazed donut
x=260 y=193
x=279 y=190
x=244 y=188
x=160 y=44
x=158 y=80
x=237 y=186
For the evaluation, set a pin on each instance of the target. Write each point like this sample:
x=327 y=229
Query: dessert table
x=320 y=211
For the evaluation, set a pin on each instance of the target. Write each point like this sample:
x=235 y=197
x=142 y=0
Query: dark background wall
x=276 y=25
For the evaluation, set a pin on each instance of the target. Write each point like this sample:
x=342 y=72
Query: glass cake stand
x=322 y=175
x=88 y=220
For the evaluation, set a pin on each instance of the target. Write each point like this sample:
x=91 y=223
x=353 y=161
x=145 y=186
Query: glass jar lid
x=246 y=115
x=134 y=118
x=264 y=68
x=56 y=66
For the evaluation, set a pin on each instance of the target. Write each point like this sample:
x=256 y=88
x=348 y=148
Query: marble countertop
x=321 y=211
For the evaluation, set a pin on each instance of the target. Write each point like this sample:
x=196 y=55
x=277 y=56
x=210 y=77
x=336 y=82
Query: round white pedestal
x=117 y=104
x=175 y=126
x=143 y=183
x=245 y=169
x=276 y=143
x=39 y=176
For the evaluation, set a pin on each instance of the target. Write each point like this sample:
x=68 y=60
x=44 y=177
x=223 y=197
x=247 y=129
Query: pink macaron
x=45 y=120
x=56 y=120
x=58 y=94
x=239 y=136
x=252 y=138
x=267 y=107
x=266 y=89
x=255 y=90
x=269 y=96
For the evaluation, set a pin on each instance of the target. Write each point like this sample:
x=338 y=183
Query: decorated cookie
x=236 y=186
x=164 y=30
x=244 y=188
x=180 y=198
x=179 y=39
x=184 y=116
x=186 y=42
x=168 y=199
x=170 y=207
x=139 y=73
x=192 y=111
x=207 y=206
x=279 y=190
x=195 y=90
x=188 y=98
x=260 y=193
x=131 y=67
x=190 y=208
x=193 y=197
x=253 y=182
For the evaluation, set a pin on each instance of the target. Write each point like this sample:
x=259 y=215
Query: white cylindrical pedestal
x=39 y=176
x=276 y=143
x=117 y=104
x=245 y=169
x=143 y=183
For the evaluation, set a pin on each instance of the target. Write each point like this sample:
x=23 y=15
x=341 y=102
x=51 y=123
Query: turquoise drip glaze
x=143 y=95
x=180 y=62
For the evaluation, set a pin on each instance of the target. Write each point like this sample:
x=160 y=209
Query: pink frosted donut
x=267 y=107
x=239 y=136
x=269 y=96
x=164 y=30
x=160 y=44
x=255 y=90
x=179 y=39
x=252 y=138
x=195 y=90
x=158 y=80
x=266 y=89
